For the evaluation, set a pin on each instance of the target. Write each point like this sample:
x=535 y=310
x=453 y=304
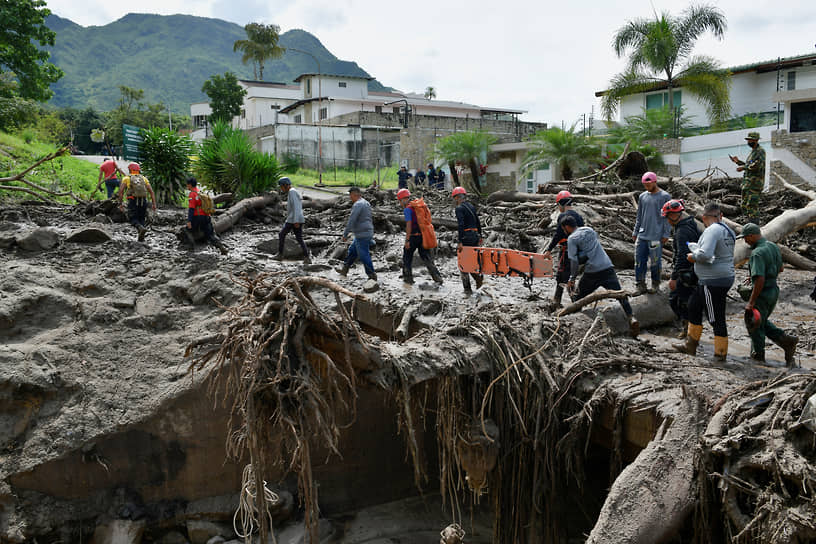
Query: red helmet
x=458 y=191
x=672 y=206
x=753 y=319
x=649 y=177
x=134 y=167
x=563 y=195
x=403 y=193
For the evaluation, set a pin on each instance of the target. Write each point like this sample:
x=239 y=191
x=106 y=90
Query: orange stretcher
x=495 y=261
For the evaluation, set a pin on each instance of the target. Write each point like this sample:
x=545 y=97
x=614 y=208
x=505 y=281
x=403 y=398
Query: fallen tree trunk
x=594 y=297
x=437 y=222
x=796 y=260
x=778 y=228
x=230 y=217
x=515 y=196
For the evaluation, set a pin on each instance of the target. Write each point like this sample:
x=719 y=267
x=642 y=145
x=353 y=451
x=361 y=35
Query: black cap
x=354 y=189
x=569 y=221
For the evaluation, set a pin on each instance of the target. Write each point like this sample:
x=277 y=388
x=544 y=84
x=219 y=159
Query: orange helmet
x=458 y=191
x=563 y=195
x=672 y=206
x=134 y=167
x=403 y=193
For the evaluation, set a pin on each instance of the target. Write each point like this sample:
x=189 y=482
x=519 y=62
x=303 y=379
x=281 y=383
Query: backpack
x=423 y=215
x=138 y=186
x=207 y=205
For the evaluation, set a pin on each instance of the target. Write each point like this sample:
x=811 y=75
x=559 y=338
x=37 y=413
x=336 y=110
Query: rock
x=7 y=240
x=119 y=531
x=295 y=534
x=430 y=307
x=216 y=540
x=173 y=537
x=200 y=531
x=219 y=508
x=91 y=235
x=371 y=286
x=102 y=218
x=38 y=239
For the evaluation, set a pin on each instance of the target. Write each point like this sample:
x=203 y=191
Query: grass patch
x=344 y=177
x=61 y=174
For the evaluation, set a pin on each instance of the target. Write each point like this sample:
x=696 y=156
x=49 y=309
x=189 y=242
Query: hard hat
x=649 y=177
x=672 y=206
x=134 y=167
x=458 y=191
x=563 y=195
x=284 y=181
x=403 y=193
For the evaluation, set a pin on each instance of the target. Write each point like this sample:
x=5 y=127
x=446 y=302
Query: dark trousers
x=137 y=211
x=359 y=249
x=287 y=228
x=415 y=243
x=765 y=304
x=470 y=241
x=607 y=279
x=111 y=185
x=203 y=224
x=710 y=299
x=679 y=300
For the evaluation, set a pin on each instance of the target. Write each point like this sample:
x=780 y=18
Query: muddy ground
x=104 y=431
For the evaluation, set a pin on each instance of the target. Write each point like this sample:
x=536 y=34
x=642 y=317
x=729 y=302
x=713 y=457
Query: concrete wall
x=801 y=144
x=698 y=153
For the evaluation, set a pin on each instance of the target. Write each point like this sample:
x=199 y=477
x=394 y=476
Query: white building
x=755 y=89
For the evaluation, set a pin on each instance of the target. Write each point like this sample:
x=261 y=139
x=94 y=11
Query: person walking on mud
x=753 y=180
x=764 y=266
x=108 y=169
x=361 y=225
x=413 y=241
x=470 y=231
x=713 y=258
x=683 y=280
x=564 y=202
x=136 y=188
x=583 y=247
x=294 y=219
x=650 y=233
x=198 y=217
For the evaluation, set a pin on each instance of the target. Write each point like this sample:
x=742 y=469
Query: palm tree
x=661 y=58
x=430 y=93
x=466 y=147
x=568 y=150
x=261 y=45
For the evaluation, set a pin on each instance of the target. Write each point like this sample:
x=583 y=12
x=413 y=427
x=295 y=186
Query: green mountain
x=170 y=57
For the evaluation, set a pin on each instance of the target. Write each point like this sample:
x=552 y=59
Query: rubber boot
x=720 y=348
x=408 y=277
x=372 y=276
x=142 y=232
x=683 y=329
x=788 y=343
x=221 y=247
x=758 y=357
x=435 y=275
x=479 y=281
x=692 y=340
x=634 y=326
x=640 y=288
x=557 y=296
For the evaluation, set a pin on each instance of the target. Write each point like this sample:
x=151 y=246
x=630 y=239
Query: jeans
x=590 y=281
x=287 y=228
x=359 y=249
x=712 y=299
x=648 y=254
x=111 y=185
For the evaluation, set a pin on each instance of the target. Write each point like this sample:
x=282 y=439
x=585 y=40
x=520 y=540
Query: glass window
x=324 y=113
x=791 y=81
x=309 y=86
x=378 y=109
x=298 y=119
x=803 y=116
x=658 y=100
x=342 y=84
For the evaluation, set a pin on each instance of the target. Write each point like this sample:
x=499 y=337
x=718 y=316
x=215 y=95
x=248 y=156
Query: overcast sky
x=546 y=57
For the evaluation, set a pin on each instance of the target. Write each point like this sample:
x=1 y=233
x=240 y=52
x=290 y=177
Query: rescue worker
x=294 y=219
x=753 y=180
x=403 y=175
x=362 y=226
x=713 y=259
x=764 y=266
x=198 y=219
x=650 y=233
x=431 y=175
x=413 y=242
x=136 y=188
x=564 y=202
x=109 y=169
x=683 y=280
x=470 y=231
x=583 y=247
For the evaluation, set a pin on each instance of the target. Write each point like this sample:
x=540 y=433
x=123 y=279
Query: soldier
x=470 y=231
x=753 y=176
x=764 y=265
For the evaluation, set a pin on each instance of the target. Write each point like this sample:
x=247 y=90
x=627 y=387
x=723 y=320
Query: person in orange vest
x=413 y=242
x=198 y=219
x=470 y=231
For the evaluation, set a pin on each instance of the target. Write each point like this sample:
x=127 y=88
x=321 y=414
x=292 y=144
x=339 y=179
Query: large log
x=229 y=218
x=778 y=228
x=796 y=260
x=400 y=220
x=515 y=196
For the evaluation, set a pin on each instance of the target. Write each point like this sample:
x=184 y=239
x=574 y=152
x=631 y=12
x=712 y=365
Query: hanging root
x=286 y=363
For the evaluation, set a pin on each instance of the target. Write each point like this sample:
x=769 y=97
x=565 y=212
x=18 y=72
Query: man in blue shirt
x=413 y=242
x=361 y=225
x=583 y=247
x=403 y=175
x=650 y=233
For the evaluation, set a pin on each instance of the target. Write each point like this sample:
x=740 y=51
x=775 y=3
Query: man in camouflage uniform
x=753 y=176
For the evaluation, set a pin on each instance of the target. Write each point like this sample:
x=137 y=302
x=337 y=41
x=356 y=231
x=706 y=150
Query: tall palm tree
x=261 y=45
x=660 y=57
x=567 y=150
x=430 y=93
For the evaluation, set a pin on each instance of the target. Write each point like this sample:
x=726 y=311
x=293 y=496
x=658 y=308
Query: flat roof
x=256 y=83
x=338 y=76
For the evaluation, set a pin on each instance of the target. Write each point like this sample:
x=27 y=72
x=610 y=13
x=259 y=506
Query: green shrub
x=166 y=163
x=28 y=135
x=291 y=163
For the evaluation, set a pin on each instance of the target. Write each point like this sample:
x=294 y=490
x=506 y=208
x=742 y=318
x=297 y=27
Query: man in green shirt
x=764 y=265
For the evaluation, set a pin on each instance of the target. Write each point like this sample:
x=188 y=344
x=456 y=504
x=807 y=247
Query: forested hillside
x=170 y=57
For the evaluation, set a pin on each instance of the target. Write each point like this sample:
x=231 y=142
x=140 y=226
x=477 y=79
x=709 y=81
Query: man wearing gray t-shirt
x=650 y=233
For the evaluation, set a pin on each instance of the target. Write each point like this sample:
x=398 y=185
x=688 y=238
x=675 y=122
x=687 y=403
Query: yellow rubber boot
x=692 y=340
x=720 y=348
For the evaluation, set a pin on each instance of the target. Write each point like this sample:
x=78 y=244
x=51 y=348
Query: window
x=378 y=109
x=791 y=81
x=298 y=119
x=324 y=113
x=275 y=107
x=199 y=121
x=531 y=182
x=309 y=86
x=243 y=114
x=658 y=100
x=342 y=84
x=396 y=109
x=803 y=116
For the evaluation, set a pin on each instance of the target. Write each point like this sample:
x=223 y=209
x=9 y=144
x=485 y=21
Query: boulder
x=90 y=235
x=371 y=286
x=38 y=239
x=7 y=240
x=219 y=508
x=200 y=531
x=119 y=531
x=173 y=537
